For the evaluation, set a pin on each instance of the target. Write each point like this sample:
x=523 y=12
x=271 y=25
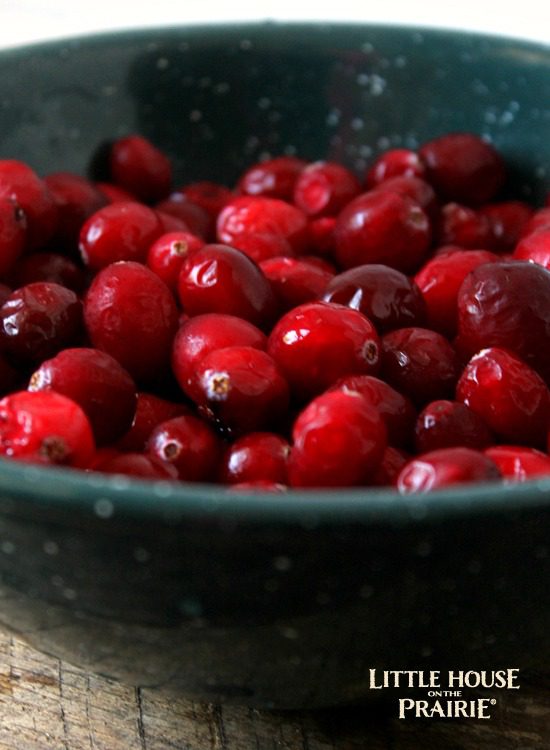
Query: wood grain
x=45 y=703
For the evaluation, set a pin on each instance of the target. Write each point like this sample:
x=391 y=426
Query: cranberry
x=418 y=190
x=386 y=296
x=241 y=389
x=397 y=162
x=40 y=319
x=535 y=247
x=462 y=167
x=138 y=166
x=76 y=199
x=518 y=463
x=220 y=279
x=45 y=428
x=539 y=220
x=324 y=188
x=190 y=445
x=166 y=255
x=440 y=280
x=444 y=468
x=507 y=221
x=392 y=462
x=508 y=395
x=447 y=424
x=136 y=465
x=419 y=363
x=170 y=223
x=150 y=411
x=131 y=314
x=114 y=193
x=210 y=196
x=196 y=219
x=339 y=440
x=20 y=184
x=273 y=178
x=382 y=227
x=463 y=226
x=507 y=304
x=258 y=456
x=13 y=234
x=295 y=280
x=97 y=383
x=119 y=231
x=321 y=235
x=317 y=343
x=49 y=267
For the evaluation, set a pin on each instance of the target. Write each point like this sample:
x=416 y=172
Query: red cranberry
x=295 y=280
x=45 y=428
x=464 y=168
x=390 y=467
x=13 y=234
x=397 y=162
x=210 y=196
x=386 y=296
x=440 y=280
x=196 y=219
x=539 y=220
x=220 y=279
x=136 y=465
x=508 y=395
x=419 y=363
x=49 y=267
x=131 y=314
x=138 y=166
x=317 y=343
x=321 y=235
x=535 y=247
x=119 y=231
x=40 y=319
x=382 y=227
x=259 y=456
x=463 y=226
x=507 y=221
x=519 y=464
x=338 y=441
x=166 y=255
x=76 y=199
x=150 y=411
x=114 y=193
x=190 y=445
x=324 y=188
x=97 y=383
x=448 y=424
x=444 y=468
x=418 y=190
x=273 y=178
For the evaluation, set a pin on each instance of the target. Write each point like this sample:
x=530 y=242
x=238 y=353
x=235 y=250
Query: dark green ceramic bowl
x=283 y=600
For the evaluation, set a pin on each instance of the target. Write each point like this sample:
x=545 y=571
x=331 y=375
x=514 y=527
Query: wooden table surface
x=45 y=703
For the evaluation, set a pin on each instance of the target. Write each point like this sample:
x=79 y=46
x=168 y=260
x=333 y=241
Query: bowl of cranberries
x=275 y=355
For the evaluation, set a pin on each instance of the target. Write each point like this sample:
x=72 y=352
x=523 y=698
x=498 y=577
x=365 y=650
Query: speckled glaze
x=273 y=600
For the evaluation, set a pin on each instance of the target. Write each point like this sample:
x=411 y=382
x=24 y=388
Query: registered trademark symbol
x=493 y=701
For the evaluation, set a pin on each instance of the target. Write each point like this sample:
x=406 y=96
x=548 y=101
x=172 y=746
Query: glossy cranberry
x=462 y=167
x=76 y=199
x=241 y=389
x=440 y=280
x=539 y=220
x=324 y=188
x=448 y=424
x=390 y=467
x=507 y=221
x=97 y=383
x=196 y=219
x=339 y=440
x=273 y=178
x=321 y=236
x=419 y=363
x=131 y=314
x=317 y=343
x=138 y=166
x=397 y=162
x=507 y=304
x=13 y=234
x=45 y=428
x=396 y=410
x=418 y=190
x=386 y=296
x=518 y=463
x=150 y=411
x=136 y=465
x=382 y=227
x=188 y=444
x=119 y=231
x=207 y=333
x=211 y=196
x=444 y=468
x=295 y=280
x=49 y=267
x=114 y=193
x=40 y=319
x=220 y=279
x=167 y=254
x=535 y=247
x=19 y=183
x=463 y=226
x=258 y=456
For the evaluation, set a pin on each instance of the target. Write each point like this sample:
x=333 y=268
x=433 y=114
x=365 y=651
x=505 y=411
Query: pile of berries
x=304 y=328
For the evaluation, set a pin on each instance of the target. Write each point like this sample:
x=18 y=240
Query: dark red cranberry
x=273 y=178
x=295 y=280
x=462 y=167
x=321 y=236
x=418 y=190
x=49 y=267
x=518 y=463
x=138 y=166
x=508 y=395
x=20 y=184
x=188 y=444
x=397 y=162
x=324 y=188
x=259 y=456
x=317 y=343
x=448 y=424
x=150 y=412
x=382 y=227
x=539 y=220
x=211 y=196
x=339 y=440
x=13 y=234
x=40 y=319
x=196 y=219
x=440 y=280
x=76 y=199
x=463 y=226
x=535 y=248
x=241 y=389
x=97 y=383
x=507 y=221
x=220 y=279
x=131 y=314
x=386 y=296
x=136 y=465
x=45 y=428
x=114 y=193
x=119 y=231
x=444 y=468
x=167 y=254
x=419 y=363
x=390 y=467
